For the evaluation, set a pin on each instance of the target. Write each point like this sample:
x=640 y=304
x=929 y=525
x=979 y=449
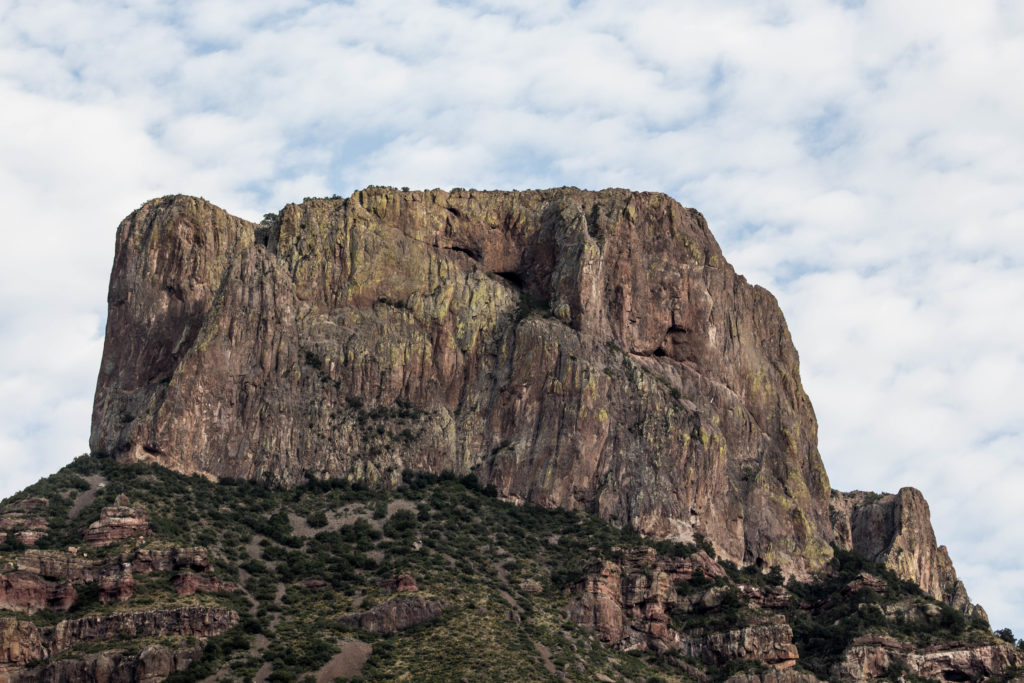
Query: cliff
x=585 y=350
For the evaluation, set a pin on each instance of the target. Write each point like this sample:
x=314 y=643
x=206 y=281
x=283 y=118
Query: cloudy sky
x=863 y=160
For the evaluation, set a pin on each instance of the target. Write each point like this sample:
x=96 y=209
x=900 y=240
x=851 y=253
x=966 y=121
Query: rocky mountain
x=588 y=352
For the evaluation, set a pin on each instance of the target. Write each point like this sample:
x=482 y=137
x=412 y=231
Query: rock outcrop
x=883 y=657
x=627 y=604
x=154 y=663
x=896 y=531
x=395 y=615
x=190 y=583
x=588 y=350
x=117 y=585
x=770 y=642
x=401 y=583
x=117 y=523
x=23 y=643
x=29 y=593
x=23 y=520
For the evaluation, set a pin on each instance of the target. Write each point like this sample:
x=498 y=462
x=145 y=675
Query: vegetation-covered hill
x=139 y=570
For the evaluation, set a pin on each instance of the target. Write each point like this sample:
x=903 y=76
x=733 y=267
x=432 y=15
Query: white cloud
x=859 y=159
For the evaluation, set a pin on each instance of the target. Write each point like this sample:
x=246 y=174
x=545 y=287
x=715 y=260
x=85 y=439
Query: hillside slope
x=139 y=573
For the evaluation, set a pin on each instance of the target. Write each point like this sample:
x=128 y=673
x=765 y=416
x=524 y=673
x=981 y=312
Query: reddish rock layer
x=25 y=592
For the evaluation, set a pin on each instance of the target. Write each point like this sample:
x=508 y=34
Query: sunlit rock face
x=588 y=350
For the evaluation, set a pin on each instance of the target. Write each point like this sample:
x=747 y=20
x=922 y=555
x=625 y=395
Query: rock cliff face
x=395 y=615
x=879 y=657
x=576 y=349
x=628 y=604
x=154 y=663
x=23 y=642
x=896 y=531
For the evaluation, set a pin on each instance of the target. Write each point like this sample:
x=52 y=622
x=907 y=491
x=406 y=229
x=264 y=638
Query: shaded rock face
x=576 y=349
x=401 y=583
x=117 y=585
x=190 y=583
x=771 y=643
x=154 y=663
x=29 y=593
x=896 y=531
x=395 y=615
x=66 y=566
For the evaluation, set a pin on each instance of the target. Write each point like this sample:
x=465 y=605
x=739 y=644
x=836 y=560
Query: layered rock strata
x=23 y=643
x=883 y=657
x=118 y=523
x=589 y=350
x=153 y=663
x=29 y=593
x=46 y=579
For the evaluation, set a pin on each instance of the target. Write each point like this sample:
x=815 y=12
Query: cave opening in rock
x=513 y=278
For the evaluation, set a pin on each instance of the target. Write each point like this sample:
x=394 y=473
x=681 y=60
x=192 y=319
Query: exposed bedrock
x=587 y=350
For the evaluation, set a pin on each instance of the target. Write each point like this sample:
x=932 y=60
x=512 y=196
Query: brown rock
x=77 y=569
x=29 y=593
x=196 y=559
x=154 y=663
x=23 y=643
x=875 y=657
x=395 y=615
x=20 y=643
x=896 y=531
x=770 y=642
x=774 y=676
x=588 y=350
x=402 y=583
x=118 y=523
x=18 y=520
x=29 y=538
x=117 y=585
x=626 y=604
x=200 y=622
x=62 y=566
x=190 y=583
